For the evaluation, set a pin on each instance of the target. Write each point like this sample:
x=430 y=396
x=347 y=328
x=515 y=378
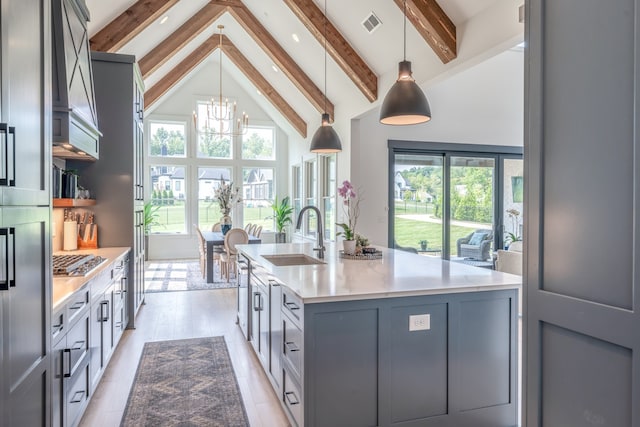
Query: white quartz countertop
x=64 y=287
x=397 y=274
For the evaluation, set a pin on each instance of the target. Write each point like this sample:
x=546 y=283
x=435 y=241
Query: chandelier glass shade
x=219 y=117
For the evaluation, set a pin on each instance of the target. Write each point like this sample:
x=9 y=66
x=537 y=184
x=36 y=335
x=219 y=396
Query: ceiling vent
x=371 y=23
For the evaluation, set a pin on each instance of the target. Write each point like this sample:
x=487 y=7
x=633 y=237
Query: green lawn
x=410 y=232
x=172 y=217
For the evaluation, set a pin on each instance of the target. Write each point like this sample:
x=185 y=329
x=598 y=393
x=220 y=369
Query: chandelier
x=218 y=117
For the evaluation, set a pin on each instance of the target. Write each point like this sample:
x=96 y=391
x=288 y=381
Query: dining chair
x=216 y=227
x=252 y=230
x=235 y=236
x=202 y=249
x=257 y=231
x=248 y=227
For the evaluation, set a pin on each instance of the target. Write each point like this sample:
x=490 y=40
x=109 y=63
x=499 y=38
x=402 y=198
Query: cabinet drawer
x=78 y=304
x=78 y=394
x=291 y=397
x=292 y=305
x=292 y=345
x=77 y=344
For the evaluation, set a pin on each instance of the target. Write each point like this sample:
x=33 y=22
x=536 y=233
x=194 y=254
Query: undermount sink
x=281 y=260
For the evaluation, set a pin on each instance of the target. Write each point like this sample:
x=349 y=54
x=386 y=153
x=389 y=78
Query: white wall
x=179 y=105
x=482 y=105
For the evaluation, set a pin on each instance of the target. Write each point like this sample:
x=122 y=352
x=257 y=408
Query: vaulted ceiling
x=289 y=73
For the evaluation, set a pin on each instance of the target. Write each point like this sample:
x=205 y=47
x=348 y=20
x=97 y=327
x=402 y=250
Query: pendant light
x=325 y=140
x=405 y=103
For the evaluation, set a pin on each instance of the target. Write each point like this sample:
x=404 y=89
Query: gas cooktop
x=75 y=265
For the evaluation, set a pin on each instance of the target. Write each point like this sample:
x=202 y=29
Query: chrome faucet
x=320 y=247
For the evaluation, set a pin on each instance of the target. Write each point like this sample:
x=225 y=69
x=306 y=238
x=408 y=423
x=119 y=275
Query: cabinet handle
x=290 y=400
x=9 y=259
x=291 y=305
x=78 y=345
x=256 y=307
x=77 y=306
x=104 y=317
x=291 y=346
x=78 y=397
x=66 y=368
x=7 y=130
x=12 y=131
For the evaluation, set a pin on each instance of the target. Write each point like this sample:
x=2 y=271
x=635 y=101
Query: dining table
x=216 y=238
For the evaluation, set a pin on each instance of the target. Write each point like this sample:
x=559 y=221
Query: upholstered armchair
x=476 y=245
x=510 y=261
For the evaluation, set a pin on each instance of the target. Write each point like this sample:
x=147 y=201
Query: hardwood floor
x=177 y=315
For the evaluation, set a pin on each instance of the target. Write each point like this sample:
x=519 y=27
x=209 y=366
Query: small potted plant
x=351 y=206
x=361 y=242
x=282 y=215
x=150 y=219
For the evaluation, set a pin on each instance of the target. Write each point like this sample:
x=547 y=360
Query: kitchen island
x=402 y=340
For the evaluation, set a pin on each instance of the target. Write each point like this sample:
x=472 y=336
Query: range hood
x=75 y=121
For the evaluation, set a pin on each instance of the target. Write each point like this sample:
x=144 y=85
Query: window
x=211 y=145
x=296 y=178
x=257 y=188
x=209 y=178
x=172 y=212
x=167 y=139
x=258 y=144
x=328 y=194
x=310 y=193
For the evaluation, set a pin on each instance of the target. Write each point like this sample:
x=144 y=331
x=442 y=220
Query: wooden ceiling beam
x=129 y=24
x=201 y=53
x=264 y=87
x=339 y=48
x=183 y=35
x=434 y=26
x=281 y=58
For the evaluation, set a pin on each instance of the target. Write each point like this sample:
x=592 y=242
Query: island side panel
x=364 y=367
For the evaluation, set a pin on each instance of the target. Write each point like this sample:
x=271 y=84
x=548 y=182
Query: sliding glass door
x=417 y=202
x=460 y=202
x=471 y=206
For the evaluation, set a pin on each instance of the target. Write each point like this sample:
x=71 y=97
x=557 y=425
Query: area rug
x=185 y=383
x=184 y=275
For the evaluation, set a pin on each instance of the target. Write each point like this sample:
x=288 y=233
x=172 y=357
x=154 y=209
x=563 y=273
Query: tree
x=256 y=147
x=210 y=145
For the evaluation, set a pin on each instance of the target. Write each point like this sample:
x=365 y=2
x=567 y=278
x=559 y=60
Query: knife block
x=89 y=240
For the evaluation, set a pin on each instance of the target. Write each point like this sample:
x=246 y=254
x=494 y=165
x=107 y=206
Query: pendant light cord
x=325 y=56
x=404 y=13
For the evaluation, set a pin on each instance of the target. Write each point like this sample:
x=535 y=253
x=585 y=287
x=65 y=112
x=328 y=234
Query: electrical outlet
x=420 y=322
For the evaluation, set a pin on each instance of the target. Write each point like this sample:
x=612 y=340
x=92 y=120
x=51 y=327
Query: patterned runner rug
x=185 y=383
x=184 y=275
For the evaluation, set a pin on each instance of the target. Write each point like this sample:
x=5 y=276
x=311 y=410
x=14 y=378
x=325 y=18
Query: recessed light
x=164 y=19
x=67 y=146
x=295 y=38
x=259 y=93
x=274 y=68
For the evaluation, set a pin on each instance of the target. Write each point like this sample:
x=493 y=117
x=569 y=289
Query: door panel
x=581 y=235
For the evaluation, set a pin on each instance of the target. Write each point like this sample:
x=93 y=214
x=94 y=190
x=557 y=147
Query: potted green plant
x=150 y=219
x=282 y=215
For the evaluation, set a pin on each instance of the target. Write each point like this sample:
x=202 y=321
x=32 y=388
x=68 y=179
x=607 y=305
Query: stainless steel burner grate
x=75 y=265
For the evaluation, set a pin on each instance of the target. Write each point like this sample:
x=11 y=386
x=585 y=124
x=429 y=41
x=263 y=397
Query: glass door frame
x=448 y=150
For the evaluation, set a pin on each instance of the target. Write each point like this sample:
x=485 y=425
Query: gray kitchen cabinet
x=71 y=333
x=116 y=180
x=25 y=316
x=260 y=321
x=25 y=254
x=25 y=144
